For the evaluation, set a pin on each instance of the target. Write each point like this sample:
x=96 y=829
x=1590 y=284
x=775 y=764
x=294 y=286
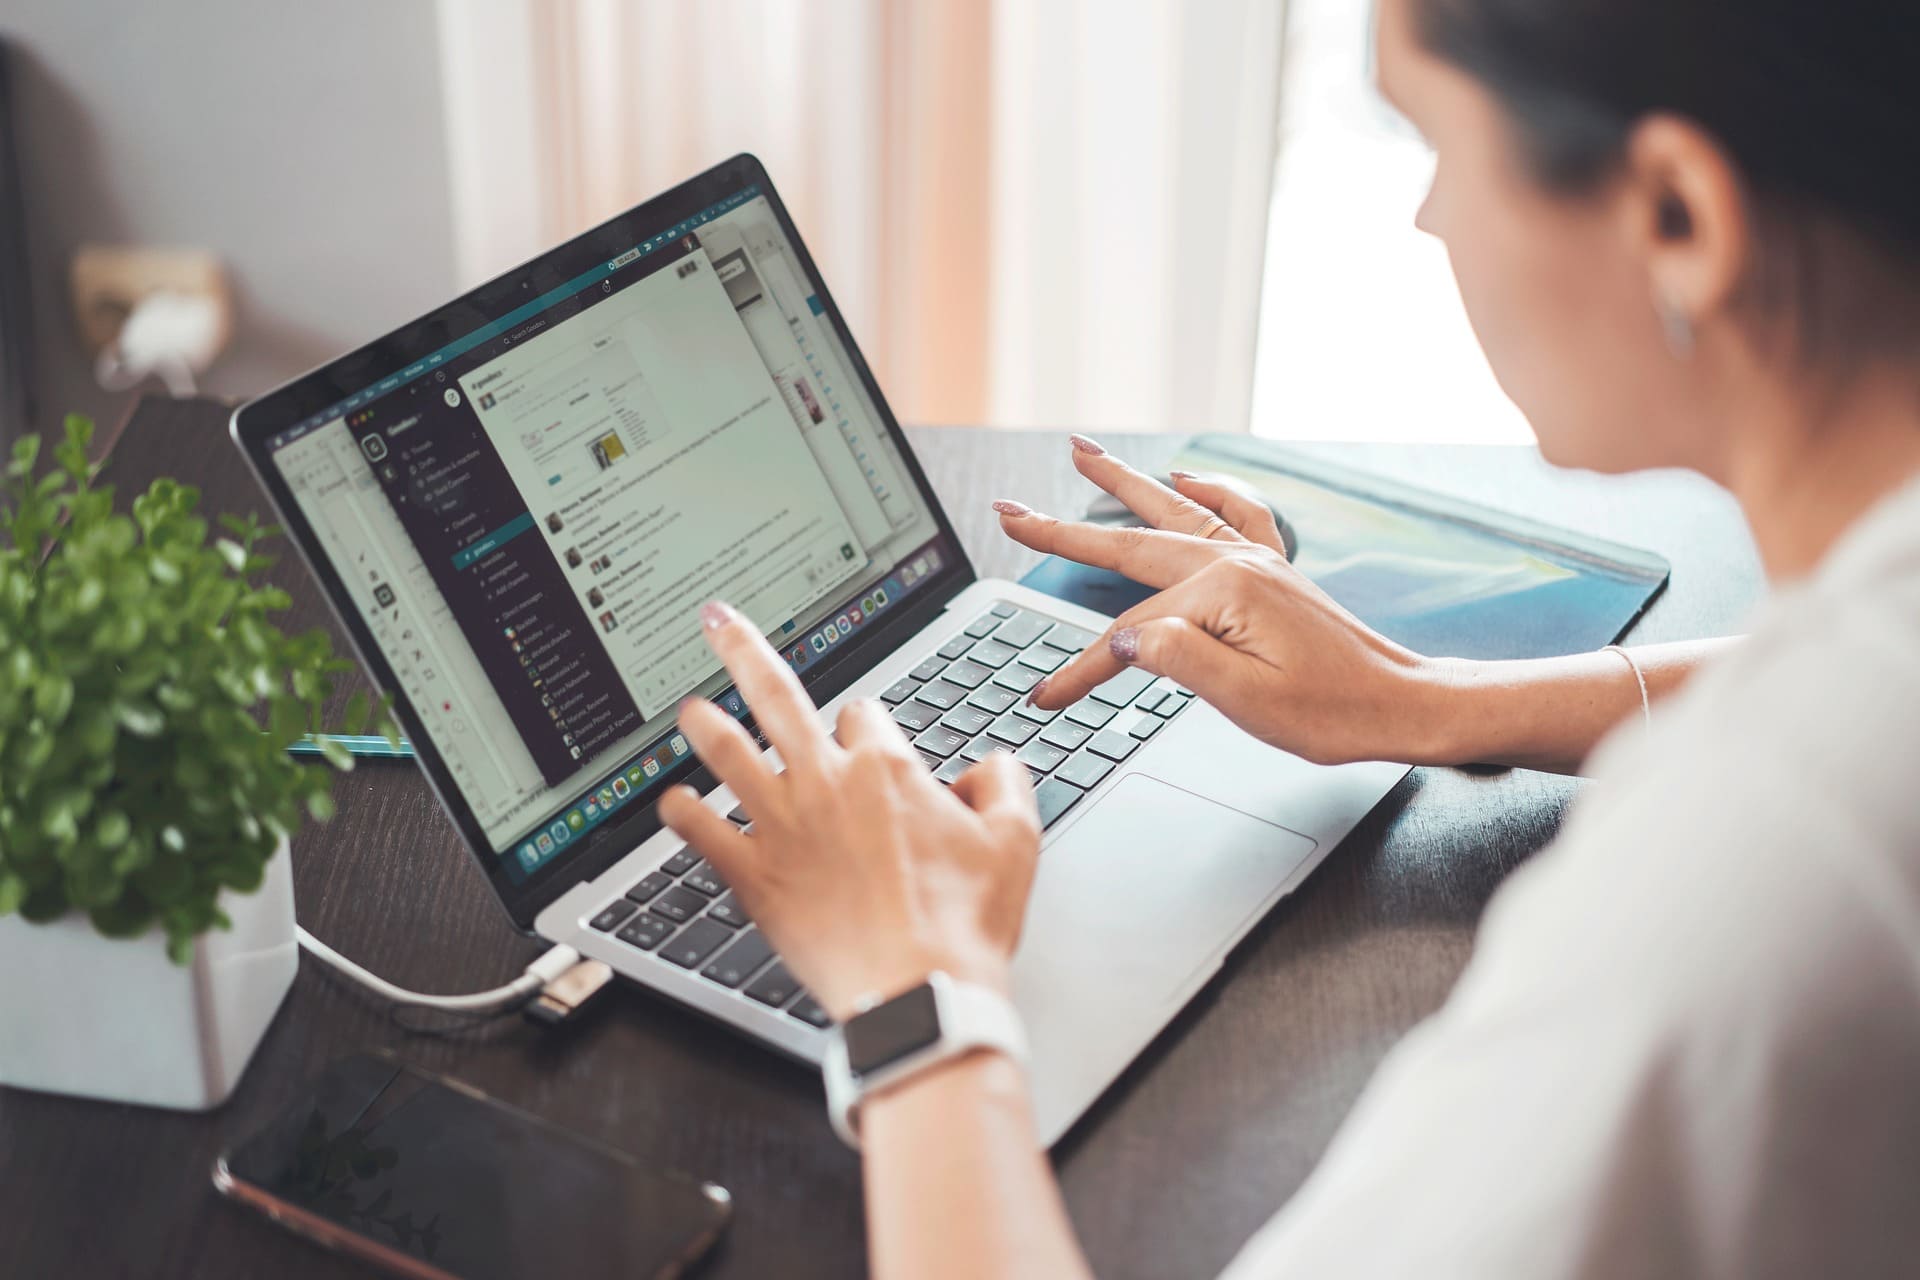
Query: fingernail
x=1125 y=645
x=1087 y=446
x=1184 y=475
x=1008 y=507
x=1033 y=694
x=714 y=615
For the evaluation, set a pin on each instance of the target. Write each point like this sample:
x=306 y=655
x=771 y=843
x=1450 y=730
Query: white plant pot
x=114 y=1018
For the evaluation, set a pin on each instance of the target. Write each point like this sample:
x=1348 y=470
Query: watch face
x=903 y=1025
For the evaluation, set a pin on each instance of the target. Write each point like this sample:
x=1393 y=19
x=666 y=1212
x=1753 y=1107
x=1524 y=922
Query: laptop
x=516 y=505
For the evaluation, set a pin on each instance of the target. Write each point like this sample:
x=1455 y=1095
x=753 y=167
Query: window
x=1362 y=333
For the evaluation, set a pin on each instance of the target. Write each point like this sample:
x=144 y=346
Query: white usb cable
x=548 y=966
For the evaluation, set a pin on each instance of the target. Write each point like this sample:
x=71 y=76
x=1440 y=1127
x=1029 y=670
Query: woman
x=1688 y=234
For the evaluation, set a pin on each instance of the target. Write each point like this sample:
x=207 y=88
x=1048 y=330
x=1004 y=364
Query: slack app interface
x=536 y=514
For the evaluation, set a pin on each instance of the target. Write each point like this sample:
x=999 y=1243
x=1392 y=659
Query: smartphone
x=427 y=1177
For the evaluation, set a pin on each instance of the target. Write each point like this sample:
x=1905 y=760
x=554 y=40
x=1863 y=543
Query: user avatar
x=554 y=523
x=595 y=598
x=606 y=621
x=573 y=557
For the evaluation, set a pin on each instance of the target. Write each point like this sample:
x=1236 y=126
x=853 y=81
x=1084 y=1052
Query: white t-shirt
x=1688 y=1043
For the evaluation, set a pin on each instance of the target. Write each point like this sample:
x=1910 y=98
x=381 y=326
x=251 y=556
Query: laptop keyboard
x=963 y=703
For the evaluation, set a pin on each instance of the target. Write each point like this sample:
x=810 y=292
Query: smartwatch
x=887 y=1042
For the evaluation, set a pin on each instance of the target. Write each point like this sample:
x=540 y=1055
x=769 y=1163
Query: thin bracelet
x=1640 y=678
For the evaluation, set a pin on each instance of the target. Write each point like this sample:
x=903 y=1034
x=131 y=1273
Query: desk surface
x=1194 y=1147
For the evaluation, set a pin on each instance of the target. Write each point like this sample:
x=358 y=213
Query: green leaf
x=359 y=712
x=13 y=892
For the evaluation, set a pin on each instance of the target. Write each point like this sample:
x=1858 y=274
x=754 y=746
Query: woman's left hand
x=865 y=873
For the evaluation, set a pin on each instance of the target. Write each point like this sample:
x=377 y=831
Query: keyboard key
x=1152 y=698
x=1148 y=726
x=1039 y=715
x=1073 y=638
x=613 y=917
x=1084 y=770
x=956 y=647
x=645 y=932
x=991 y=653
x=704 y=879
x=1044 y=658
x=695 y=943
x=740 y=961
x=1170 y=707
x=899 y=691
x=940 y=741
x=932 y=762
x=738 y=814
x=1092 y=714
x=942 y=695
x=1016 y=677
x=808 y=1010
x=727 y=911
x=1067 y=734
x=1022 y=629
x=1040 y=755
x=980 y=748
x=1114 y=746
x=1002 y=609
x=981 y=625
x=915 y=715
x=651 y=886
x=678 y=904
x=1054 y=799
x=950 y=772
x=993 y=699
x=967 y=720
x=680 y=863
x=1125 y=687
x=775 y=987
x=930 y=668
x=966 y=673
x=1013 y=729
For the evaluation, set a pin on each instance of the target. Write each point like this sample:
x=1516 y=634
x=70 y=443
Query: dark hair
x=1816 y=101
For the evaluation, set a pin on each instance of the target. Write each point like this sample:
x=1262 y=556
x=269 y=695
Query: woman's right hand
x=1237 y=624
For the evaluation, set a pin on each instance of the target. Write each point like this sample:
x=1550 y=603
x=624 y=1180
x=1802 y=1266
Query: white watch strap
x=971 y=1017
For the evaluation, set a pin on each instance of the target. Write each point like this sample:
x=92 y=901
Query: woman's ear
x=1686 y=214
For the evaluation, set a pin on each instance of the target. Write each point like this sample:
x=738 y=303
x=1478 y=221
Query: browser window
x=531 y=518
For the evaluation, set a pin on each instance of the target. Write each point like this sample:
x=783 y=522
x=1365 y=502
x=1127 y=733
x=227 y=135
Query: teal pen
x=367 y=746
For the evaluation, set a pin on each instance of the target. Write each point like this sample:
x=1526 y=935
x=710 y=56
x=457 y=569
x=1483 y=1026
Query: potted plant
x=146 y=794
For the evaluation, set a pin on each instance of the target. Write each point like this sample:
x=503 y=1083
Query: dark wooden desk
x=1188 y=1154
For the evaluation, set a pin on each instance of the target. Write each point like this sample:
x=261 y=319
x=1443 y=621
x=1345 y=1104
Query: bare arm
x=1267 y=647
x=957 y=1185
x=1548 y=713
x=867 y=875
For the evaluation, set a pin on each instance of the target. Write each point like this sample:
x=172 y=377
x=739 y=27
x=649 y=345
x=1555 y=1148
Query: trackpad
x=1133 y=904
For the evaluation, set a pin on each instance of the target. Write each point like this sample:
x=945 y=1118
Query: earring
x=1679 y=326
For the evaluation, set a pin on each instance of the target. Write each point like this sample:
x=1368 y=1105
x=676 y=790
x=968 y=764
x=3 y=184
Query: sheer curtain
x=1033 y=212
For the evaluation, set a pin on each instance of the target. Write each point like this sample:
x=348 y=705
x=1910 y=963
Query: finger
x=1099 y=662
x=1189 y=654
x=1251 y=519
x=865 y=723
x=1149 y=556
x=1159 y=506
x=724 y=747
x=773 y=693
x=1000 y=790
x=709 y=834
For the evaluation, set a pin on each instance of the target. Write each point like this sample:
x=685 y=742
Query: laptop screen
x=529 y=518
